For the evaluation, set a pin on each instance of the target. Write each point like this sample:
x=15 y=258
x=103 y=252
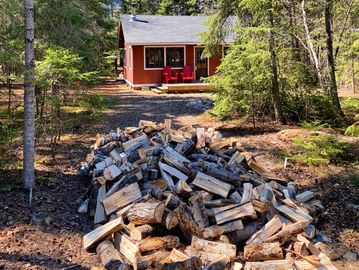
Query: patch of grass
x=354 y=179
x=321 y=149
x=315 y=125
x=350 y=107
x=352 y=130
x=74 y=109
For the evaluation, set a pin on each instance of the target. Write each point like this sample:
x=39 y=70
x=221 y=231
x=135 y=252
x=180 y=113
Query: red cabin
x=148 y=44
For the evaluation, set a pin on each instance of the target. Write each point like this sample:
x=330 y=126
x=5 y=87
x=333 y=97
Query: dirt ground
x=59 y=189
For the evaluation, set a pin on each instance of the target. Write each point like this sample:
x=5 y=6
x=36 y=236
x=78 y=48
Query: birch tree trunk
x=313 y=55
x=330 y=55
x=277 y=103
x=29 y=98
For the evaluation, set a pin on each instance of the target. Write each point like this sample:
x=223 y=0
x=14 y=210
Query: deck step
x=157 y=91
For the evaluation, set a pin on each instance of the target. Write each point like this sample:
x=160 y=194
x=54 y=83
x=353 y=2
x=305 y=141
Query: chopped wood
x=101 y=232
x=173 y=171
x=191 y=189
x=263 y=251
x=127 y=248
x=155 y=243
x=213 y=247
x=212 y=184
x=100 y=215
x=146 y=213
x=198 y=211
x=169 y=219
x=217 y=230
x=141 y=232
x=246 y=210
x=247 y=193
x=305 y=196
x=269 y=265
x=270 y=228
x=122 y=198
x=110 y=257
x=182 y=187
x=111 y=172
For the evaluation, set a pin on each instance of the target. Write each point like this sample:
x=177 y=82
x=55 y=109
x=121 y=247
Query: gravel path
x=128 y=107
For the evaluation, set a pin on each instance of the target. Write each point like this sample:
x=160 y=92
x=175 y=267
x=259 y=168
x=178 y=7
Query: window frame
x=184 y=58
x=226 y=46
x=165 y=56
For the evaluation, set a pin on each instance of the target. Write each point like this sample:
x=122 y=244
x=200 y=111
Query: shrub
x=94 y=103
x=353 y=130
x=320 y=149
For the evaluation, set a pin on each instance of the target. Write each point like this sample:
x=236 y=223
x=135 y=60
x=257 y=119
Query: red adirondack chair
x=187 y=74
x=167 y=75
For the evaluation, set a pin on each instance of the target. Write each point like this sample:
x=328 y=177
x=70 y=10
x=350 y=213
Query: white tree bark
x=312 y=53
x=29 y=98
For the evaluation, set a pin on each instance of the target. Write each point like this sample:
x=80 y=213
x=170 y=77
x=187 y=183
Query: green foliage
x=94 y=103
x=353 y=130
x=314 y=125
x=351 y=107
x=354 y=179
x=321 y=149
x=250 y=91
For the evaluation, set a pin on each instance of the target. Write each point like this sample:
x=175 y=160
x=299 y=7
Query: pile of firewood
x=187 y=199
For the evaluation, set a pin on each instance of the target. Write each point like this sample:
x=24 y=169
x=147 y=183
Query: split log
x=155 y=243
x=293 y=214
x=100 y=215
x=201 y=138
x=269 y=229
x=244 y=234
x=111 y=172
x=263 y=251
x=172 y=201
x=236 y=158
x=300 y=248
x=122 y=198
x=236 y=197
x=305 y=196
x=175 y=256
x=216 y=230
x=247 y=193
x=212 y=184
x=146 y=213
x=198 y=211
x=101 y=232
x=147 y=261
x=169 y=219
x=186 y=222
x=287 y=231
x=173 y=171
x=269 y=265
x=175 y=159
x=260 y=207
x=167 y=177
x=245 y=210
x=206 y=257
x=193 y=263
x=127 y=248
x=135 y=143
x=213 y=247
x=141 y=232
x=110 y=257
x=182 y=187
x=222 y=263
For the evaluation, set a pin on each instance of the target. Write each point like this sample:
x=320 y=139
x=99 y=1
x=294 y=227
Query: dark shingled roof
x=152 y=30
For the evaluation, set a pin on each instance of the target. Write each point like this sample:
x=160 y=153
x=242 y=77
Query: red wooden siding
x=137 y=75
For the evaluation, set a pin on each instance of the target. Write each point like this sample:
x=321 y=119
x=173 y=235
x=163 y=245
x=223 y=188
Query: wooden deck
x=184 y=87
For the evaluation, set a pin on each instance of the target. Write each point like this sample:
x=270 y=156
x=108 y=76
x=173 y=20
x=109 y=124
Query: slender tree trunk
x=9 y=94
x=277 y=103
x=29 y=90
x=313 y=55
x=330 y=55
x=353 y=75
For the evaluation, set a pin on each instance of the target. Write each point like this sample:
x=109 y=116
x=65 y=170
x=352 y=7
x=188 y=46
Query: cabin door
x=201 y=65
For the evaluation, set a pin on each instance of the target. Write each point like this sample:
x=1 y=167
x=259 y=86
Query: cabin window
x=175 y=57
x=154 y=57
